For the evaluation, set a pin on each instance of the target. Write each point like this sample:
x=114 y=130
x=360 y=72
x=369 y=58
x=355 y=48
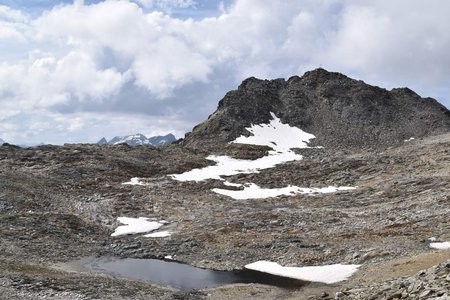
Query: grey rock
x=341 y=112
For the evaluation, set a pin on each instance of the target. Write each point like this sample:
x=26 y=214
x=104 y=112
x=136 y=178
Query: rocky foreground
x=59 y=204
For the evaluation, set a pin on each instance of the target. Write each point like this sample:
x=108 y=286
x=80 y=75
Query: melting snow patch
x=135 y=225
x=159 y=234
x=227 y=183
x=134 y=181
x=410 y=139
x=227 y=166
x=326 y=274
x=253 y=191
x=440 y=246
x=280 y=137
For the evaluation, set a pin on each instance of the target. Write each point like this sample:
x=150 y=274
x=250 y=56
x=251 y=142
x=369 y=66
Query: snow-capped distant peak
x=139 y=139
x=132 y=140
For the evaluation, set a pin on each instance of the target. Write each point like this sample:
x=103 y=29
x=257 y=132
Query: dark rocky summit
x=340 y=111
x=60 y=203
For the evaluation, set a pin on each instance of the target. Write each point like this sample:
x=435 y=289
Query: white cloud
x=385 y=40
x=49 y=81
x=12 y=15
x=114 y=57
x=8 y=32
x=167 y=4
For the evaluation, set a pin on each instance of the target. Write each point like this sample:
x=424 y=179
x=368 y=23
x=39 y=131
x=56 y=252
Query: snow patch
x=282 y=138
x=159 y=234
x=440 y=246
x=409 y=140
x=253 y=191
x=136 y=225
x=326 y=274
x=227 y=166
x=227 y=183
x=134 y=181
x=278 y=136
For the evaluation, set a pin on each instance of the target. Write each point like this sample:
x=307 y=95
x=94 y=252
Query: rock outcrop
x=340 y=111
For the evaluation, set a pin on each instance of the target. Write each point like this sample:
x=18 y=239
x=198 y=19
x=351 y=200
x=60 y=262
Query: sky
x=77 y=71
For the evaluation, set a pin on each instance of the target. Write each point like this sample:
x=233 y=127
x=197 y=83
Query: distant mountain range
x=1 y=141
x=139 y=140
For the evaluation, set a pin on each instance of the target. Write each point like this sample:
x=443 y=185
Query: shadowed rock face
x=340 y=111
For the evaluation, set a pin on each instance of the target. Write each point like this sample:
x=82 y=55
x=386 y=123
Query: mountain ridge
x=342 y=112
x=139 y=139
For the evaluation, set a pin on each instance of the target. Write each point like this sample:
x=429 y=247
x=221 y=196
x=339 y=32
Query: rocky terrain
x=59 y=204
x=341 y=112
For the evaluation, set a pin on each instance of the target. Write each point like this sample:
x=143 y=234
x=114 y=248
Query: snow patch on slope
x=278 y=136
x=253 y=191
x=136 y=225
x=440 y=246
x=227 y=166
x=134 y=181
x=159 y=234
x=282 y=138
x=326 y=274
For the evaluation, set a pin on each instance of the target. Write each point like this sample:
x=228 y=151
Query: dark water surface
x=182 y=276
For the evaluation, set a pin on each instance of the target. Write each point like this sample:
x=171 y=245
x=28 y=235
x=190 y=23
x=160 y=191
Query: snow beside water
x=440 y=246
x=253 y=191
x=326 y=274
x=278 y=136
x=136 y=225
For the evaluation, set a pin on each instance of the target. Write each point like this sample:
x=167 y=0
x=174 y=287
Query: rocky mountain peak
x=102 y=141
x=319 y=77
x=340 y=111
